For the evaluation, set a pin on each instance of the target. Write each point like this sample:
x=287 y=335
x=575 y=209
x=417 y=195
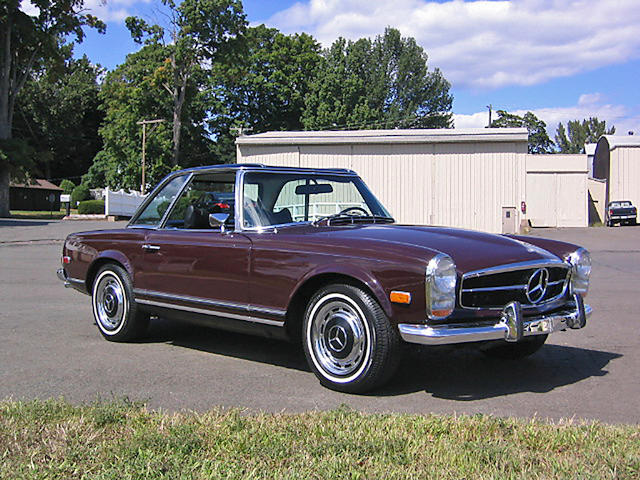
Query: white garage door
x=556 y=199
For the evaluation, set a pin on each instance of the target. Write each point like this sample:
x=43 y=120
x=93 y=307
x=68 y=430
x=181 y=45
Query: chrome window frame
x=152 y=195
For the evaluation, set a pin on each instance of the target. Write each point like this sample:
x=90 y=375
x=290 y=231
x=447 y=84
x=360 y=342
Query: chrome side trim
x=462 y=333
x=246 y=318
x=209 y=303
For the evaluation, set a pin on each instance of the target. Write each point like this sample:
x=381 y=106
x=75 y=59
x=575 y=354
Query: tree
x=67 y=186
x=539 y=141
x=265 y=87
x=28 y=41
x=384 y=83
x=579 y=133
x=200 y=34
x=133 y=92
x=58 y=114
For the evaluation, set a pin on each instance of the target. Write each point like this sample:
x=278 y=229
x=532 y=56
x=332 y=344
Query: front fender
x=104 y=257
x=356 y=272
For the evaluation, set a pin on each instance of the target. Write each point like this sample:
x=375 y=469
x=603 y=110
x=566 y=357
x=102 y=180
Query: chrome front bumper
x=511 y=327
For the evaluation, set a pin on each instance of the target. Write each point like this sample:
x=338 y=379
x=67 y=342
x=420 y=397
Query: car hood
x=470 y=250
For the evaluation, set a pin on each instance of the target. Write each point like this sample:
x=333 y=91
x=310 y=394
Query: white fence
x=121 y=203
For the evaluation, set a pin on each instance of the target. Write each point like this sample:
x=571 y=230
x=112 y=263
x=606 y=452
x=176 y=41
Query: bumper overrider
x=512 y=326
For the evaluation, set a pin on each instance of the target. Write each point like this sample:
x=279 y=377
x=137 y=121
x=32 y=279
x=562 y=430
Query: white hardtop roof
x=622 y=141
x=590 y=148
x=444 y=135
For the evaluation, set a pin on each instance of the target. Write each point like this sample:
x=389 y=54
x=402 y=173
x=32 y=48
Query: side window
x=205 y=194
x=155 y=210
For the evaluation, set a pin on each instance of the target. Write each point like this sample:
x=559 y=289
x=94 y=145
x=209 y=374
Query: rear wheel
x=513 y=351
x=114 y=308
x=348 y=340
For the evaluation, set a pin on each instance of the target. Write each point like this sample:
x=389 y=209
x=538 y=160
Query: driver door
x=188 y=264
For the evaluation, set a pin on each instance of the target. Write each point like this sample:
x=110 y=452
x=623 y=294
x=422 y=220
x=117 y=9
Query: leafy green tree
x=539 y=141
x=133 y=92
x=200 y=33
x=573 y=138
x=67 y=186
x=265 y=87
x=384 y=83
x=58 y=114
x=80 y=193
x=28 y=42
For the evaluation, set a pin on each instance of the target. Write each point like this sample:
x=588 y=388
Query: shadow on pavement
x=465 y=374
x=17 y=222
x=453 y=373
x=220 y=342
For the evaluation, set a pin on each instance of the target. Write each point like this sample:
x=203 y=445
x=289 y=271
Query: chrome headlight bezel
x=580 y=262
x=440 y=287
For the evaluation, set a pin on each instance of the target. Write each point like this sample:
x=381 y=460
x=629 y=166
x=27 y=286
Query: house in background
x=41 y=195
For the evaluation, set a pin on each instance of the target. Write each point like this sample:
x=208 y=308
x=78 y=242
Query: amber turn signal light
x=400 y=297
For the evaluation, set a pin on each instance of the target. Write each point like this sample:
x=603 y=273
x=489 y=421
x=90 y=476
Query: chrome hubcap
x=110 y=304
x=338 y=338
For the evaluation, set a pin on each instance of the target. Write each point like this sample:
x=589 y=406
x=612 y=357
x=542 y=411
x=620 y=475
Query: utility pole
x=490 y=107
x=144 y=124
x=240 y=131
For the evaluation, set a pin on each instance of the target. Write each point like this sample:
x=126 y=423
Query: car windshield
x=277 y=199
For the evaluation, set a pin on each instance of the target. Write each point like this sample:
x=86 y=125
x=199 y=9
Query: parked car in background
x=312 y=256
x=622 y=212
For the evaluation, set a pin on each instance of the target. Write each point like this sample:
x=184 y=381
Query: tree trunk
x=177 y=126
x=5 y=114
x=4 y=191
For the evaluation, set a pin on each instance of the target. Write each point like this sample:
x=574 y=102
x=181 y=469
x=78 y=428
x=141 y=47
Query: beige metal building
x=617 y=162
x=556 y=190
x=464 y=178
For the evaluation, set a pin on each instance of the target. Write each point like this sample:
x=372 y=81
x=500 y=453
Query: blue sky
x=560 y=59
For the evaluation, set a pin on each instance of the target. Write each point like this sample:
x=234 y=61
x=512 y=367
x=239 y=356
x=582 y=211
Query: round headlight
x=440 y=286
x=580 y=261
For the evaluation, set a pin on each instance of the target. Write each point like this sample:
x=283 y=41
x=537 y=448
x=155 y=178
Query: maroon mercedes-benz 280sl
x=311 y=255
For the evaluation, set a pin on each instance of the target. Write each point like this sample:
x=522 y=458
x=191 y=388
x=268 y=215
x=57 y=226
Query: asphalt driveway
x=51 y=348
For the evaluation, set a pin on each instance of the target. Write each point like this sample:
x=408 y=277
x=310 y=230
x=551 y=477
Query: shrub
x=67 y=186
x=80 y=193
x=90 y=207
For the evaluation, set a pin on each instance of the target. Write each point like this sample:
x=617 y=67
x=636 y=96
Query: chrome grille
x=494 y=289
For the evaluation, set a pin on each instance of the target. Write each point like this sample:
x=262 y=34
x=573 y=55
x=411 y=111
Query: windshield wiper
x=344 y=218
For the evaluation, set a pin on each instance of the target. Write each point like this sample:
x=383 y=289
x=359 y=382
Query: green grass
x=40 y=215
x=123 y=440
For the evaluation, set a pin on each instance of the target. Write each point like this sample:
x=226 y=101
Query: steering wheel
x=345 y=211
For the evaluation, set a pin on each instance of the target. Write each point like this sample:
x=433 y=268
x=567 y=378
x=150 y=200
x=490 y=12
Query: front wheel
x=514 y=351
x=114 y=308
x=348 y=340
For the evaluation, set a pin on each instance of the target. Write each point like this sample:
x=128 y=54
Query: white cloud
x=107 y=11
x=29 y=8
x=588 y=105
x=111 y=10
x=486 y=44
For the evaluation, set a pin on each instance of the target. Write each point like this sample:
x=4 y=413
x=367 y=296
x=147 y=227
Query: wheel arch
x=108 y=256
x=313 y=282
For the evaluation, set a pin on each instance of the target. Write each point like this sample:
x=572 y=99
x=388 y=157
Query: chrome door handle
x=150 y=248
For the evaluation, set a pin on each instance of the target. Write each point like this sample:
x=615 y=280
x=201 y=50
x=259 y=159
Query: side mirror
x=218 y=220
